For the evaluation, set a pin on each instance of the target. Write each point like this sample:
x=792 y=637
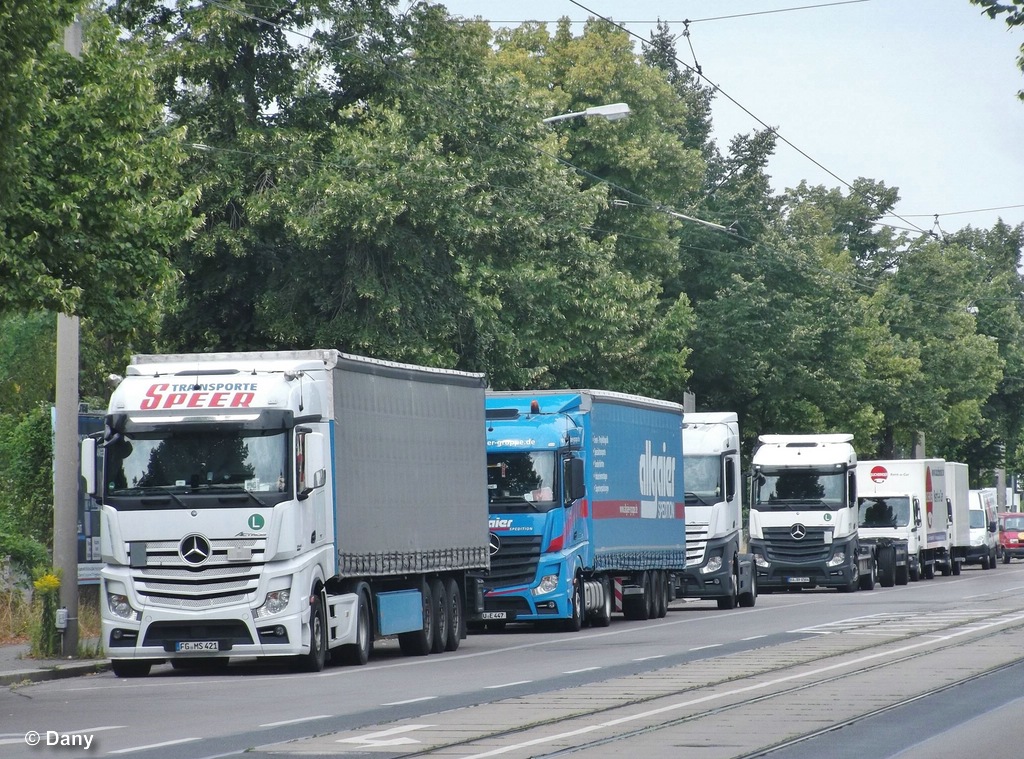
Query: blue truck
x=586 y=504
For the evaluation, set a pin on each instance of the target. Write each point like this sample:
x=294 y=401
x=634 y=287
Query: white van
x=984 y=548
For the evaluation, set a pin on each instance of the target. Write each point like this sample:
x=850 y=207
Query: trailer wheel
x=315 y=660
x=130 y=667
x=887 y=567
x=456 y=615
x=634 y=605
x=439 y=610
x=419 y=642
x=577 y=603
x=358 y=653
x=664 y=588
x=602 y=617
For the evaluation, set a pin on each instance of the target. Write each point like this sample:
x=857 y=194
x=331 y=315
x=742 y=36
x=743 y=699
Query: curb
x=56 y=672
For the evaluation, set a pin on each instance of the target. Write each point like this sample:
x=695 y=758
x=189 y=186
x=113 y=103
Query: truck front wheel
x=419 y=642
x=315 y=660
x=575 y=620
x=887 y=567
x=358 y=653
x=130 y=667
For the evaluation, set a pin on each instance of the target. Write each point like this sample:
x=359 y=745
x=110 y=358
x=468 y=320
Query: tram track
x=852 y=661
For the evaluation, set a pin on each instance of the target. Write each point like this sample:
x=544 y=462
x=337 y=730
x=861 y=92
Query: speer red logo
x=879 y=473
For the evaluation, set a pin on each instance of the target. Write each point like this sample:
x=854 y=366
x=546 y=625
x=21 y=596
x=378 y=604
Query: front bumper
x=780 y=574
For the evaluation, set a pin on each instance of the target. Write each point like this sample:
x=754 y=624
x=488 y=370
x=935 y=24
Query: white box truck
x=984 y=547
x=717 y=568
x=958 y=498
x=803 y=515
x=287 y=504
x=904 y=501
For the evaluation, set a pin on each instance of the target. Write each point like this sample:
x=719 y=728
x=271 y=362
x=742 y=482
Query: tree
x=91 y=203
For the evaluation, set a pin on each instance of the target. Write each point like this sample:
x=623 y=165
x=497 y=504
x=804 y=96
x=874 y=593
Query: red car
x=1011 y=535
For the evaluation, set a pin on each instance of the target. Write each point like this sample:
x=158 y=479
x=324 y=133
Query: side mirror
x=88 y=464
x=575 y=481
x=730 y=478
x=309 y=462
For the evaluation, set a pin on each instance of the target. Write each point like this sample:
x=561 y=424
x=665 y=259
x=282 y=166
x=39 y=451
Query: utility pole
x=65 y=446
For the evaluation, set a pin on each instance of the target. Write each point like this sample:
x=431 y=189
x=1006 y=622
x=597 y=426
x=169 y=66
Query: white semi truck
x=904 y=501
x=287 y=504
x=803 y=515
x=717 y=568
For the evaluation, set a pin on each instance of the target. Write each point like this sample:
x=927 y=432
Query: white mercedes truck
x=803 y=515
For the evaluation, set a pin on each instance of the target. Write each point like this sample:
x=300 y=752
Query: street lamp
x=612 y=112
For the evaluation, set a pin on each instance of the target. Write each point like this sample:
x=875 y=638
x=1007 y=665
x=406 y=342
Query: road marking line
x=409 y=701
x=153 y=745
x=701 y=648
x=295 y=721
x=577 y=671
x=508 y=685
x=648 y=658
x=381 y=738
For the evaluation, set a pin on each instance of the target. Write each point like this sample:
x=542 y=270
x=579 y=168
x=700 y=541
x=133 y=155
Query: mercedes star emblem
x=194 y=549
x=495 y=544
x=799 y=532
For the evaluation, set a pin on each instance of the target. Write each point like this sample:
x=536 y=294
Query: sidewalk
x=17 y=667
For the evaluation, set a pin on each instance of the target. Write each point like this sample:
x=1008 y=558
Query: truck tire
x=867 y=581
x=729 y=600
x=575 y=621
x=456 y=615
x=1006 y=557
x=315 y=660
x=419 y=642
x=665 y=588
x=903 y=574
x=748 y=598
x=634 y=605
x=928 y=571
x=984 y=562
x=130 y=667
x=602 y=616
x=358 y=653
x=915 y=571
x=439 y=611
x=886 y=566
x=957 y=566
x=993 y=561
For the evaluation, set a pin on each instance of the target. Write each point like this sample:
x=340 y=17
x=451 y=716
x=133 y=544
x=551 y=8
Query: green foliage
x=26 y=480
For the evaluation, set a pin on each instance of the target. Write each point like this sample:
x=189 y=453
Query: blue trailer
x=586 y=503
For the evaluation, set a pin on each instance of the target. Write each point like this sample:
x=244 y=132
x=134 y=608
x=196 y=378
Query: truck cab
x=803 y=514
x=716 y=567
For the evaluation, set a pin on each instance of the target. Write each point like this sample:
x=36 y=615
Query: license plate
x=494 y=615
x=798 y=579
x=197 y=645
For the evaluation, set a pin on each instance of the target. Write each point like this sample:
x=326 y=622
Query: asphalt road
x=915 y=669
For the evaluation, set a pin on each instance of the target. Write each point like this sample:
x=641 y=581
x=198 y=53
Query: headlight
x=547 y=584
x=761 y=561
x=838 y=558
x=277 y=601
x=119 y=606
x=713 y=565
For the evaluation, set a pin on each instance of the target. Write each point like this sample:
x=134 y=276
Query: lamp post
x=611 y=112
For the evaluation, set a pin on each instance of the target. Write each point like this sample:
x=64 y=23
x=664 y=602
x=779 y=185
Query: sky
x=918 y=94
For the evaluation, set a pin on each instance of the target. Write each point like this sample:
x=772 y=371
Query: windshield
x=1013 y=523
x=189 y=461
x=703 y=478
x=977 y=518
x=802 y=489
x=884 y=512
x=525 y=480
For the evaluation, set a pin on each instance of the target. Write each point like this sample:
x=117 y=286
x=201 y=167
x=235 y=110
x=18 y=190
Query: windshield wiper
x=690 y=495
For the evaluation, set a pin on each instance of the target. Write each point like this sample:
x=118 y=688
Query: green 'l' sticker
x=256 y=522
